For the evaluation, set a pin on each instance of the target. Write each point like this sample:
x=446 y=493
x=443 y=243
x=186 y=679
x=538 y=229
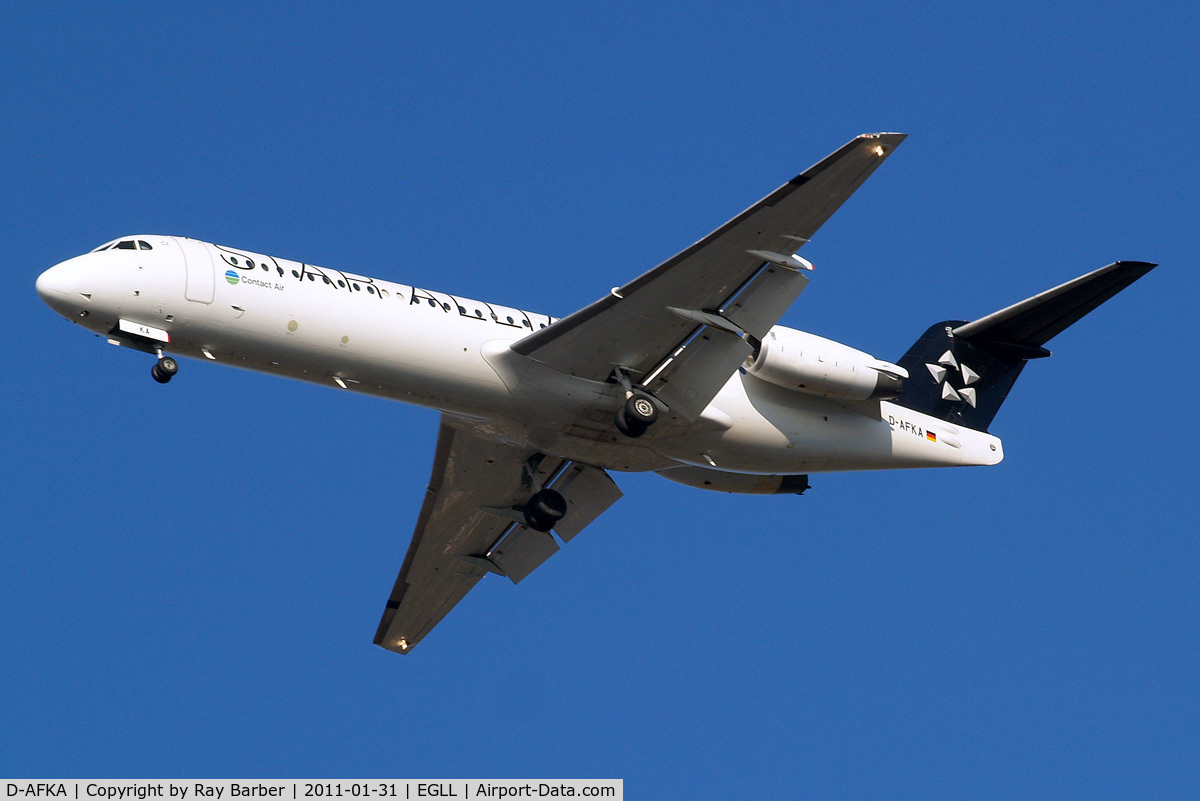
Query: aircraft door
x=201 y=275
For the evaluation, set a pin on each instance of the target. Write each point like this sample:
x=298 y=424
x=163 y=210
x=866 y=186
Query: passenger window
x=144 y=245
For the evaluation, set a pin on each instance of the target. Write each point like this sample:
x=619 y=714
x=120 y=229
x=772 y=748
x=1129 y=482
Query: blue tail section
x=962 y=371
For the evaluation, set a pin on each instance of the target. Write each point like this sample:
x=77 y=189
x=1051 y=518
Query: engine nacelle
x=740 y=483
x=817 y=366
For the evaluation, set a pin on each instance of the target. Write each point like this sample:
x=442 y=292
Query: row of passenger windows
x=141 y=244
x=125 y=244
x=371 y=290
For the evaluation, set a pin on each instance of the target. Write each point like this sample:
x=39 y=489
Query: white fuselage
x=451 y=353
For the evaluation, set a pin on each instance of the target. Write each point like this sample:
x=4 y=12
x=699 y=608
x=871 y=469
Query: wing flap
x=589 y=491
x=522 y=552
x=760 y=305
x=695 y=374
x=698 y=372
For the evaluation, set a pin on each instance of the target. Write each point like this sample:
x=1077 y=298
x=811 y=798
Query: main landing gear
x=640 y=409
x=164 y=369
x=638 y=414
x=544 y=509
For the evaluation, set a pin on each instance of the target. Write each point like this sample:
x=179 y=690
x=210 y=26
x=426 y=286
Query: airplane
x=683 y=372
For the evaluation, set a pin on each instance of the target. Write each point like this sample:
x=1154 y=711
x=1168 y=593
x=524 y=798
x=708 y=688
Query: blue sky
x=191 y=575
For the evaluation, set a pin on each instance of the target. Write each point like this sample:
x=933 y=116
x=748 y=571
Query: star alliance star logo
x=947 y=366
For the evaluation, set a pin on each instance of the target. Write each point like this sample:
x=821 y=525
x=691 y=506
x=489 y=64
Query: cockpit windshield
x=125 y=244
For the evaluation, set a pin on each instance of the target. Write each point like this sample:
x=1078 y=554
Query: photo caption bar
x=298 y=790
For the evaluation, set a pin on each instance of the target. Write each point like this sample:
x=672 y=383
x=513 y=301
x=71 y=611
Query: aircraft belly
x=564 y=426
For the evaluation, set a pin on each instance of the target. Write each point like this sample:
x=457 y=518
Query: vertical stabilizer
x=962 y=371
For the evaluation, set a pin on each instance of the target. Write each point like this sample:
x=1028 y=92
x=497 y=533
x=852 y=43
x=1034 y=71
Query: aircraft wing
x=737 y=280
x=470 y=525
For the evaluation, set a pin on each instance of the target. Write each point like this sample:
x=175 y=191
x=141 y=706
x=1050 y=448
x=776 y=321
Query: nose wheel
x=164 y=369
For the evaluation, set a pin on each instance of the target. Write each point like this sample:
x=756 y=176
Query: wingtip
x=1138 y=268
x=400 y=646
x=881 y=144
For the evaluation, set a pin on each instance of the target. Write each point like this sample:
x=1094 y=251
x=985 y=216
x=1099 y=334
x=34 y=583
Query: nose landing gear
x=164 y=369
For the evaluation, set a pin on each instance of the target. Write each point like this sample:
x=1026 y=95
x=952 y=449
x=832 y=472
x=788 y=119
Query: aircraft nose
x=53 y=282
x=56 y=285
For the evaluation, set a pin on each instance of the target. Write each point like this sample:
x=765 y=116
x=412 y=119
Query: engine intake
x=814 y=365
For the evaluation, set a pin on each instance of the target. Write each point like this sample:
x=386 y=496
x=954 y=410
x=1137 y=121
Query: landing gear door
x=201 y=276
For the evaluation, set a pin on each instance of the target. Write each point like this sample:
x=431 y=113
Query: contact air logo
x=232 y=277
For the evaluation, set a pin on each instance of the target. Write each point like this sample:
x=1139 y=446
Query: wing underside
x=471 y=524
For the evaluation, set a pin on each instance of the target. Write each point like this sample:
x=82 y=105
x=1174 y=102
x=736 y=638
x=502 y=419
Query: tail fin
x=961 y=372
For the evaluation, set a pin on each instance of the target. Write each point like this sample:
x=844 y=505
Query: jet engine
x=807 y=363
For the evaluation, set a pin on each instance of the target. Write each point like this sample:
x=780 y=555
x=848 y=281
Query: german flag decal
x=929 y=435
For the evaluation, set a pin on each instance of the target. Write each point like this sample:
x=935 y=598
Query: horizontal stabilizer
x=962 y=372
x=1034 y=322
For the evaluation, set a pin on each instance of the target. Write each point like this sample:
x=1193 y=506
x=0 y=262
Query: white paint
x=452 y=353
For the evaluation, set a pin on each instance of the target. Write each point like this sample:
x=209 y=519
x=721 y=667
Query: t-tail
x=962 y=371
